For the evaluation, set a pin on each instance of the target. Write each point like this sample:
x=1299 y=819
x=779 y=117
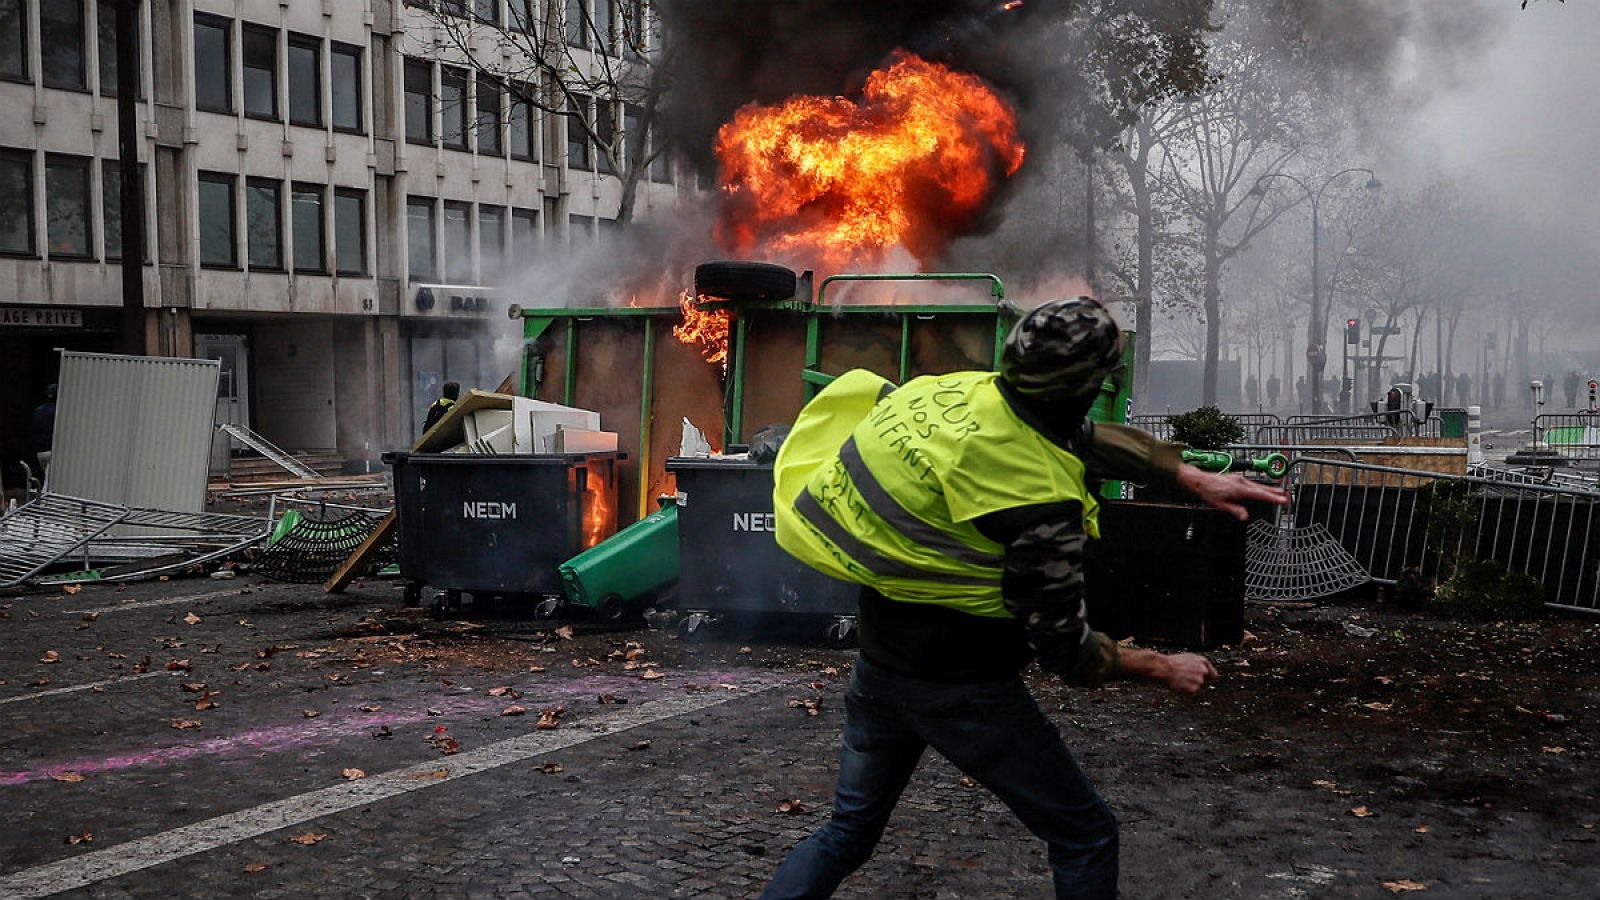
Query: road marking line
x=82 y=687
x=161 y=601
x=210 y=834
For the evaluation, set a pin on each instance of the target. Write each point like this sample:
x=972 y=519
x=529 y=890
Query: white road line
x=160 y=601
x=83 y=687
x=142 y=853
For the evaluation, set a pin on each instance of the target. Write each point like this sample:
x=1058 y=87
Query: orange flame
x=706 y=329
x=841 y=182
x=597 y=508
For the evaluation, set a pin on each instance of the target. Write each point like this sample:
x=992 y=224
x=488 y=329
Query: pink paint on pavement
x=331 y=728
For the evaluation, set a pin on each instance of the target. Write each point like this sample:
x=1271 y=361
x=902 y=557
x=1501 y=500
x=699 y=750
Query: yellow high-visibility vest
x=883 y=486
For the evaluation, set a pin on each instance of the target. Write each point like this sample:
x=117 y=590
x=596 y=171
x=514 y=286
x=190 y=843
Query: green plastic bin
x=614 y=575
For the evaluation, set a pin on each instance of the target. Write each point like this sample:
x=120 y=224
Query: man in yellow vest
x=448 y=395
x=959 y=503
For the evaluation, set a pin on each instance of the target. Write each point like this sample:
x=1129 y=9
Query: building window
x=213 y=83
x=633 y=36
x=453 y=107
x=419 y=102
x=61 y=44
x=419 y=238
x=350 y=231
x=605 y=127
x=263 y=223
x=260 y=53
x=521 y=12
x=67 y=217
x=632 y=133
x=579 y=228
x=604 y=23
x=576 y=23
x=577 y=135
x=458 y=243
x=453 y=7
x=16 y=202
x=345 y=61
x=524 y=125
x=660 y=167
x=111 y=206
x=14 y=40
x=305 y=81
x=486 y=11
x=491 y=241
x=106 y=25
x=217 y=221
x=490 y=118
x=305 y=217
x=524 y=233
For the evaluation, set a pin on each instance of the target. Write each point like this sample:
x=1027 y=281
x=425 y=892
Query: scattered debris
x=182 y=724
x=309 y=838
x=792 y=807
x=50 y=656
x=353 y=774
x=550 y=717
x=68 y=777
x=1404 y=885
x=515 y=710
x=84 y=838
x=1357 y=631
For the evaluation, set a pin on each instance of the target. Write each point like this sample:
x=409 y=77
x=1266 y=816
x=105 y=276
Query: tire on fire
x=731 y=280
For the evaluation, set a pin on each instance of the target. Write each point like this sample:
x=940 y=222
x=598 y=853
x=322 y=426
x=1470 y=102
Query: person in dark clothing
x=959 y=502
x=1273 y=386
x=43 y=428
x=1570 y=385
x=447 y=398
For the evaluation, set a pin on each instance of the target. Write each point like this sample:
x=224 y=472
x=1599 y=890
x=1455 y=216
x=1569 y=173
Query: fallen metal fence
x=1392 y=523
x=1573 y=435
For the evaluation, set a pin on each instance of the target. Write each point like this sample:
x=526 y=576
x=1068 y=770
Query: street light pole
x=1316 y=325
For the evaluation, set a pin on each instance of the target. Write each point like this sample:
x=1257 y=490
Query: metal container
x=615 y=576
x=729 y=557
x=499 y=526
x=1167 y=572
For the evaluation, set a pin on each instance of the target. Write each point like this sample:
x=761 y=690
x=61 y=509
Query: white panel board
x=134 y=430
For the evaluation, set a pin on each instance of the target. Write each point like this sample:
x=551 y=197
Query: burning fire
x=596 y=508
x=705 y=329
x=840 y=182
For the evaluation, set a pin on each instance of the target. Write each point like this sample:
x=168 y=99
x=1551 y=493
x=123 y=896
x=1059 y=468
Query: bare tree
x=600 y=65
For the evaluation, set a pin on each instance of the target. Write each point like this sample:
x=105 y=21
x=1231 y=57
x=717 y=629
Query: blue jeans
x=996 y=734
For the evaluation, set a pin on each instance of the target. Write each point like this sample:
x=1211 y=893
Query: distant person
x=1499 y=389
x=447 y=398
x=1301 y=393
x=1273 y=385
x=1463 y=389
x=1252 y=391
x=1570 y=385
x=44 y=428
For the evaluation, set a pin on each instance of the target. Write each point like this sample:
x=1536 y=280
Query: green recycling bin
x=613 y=576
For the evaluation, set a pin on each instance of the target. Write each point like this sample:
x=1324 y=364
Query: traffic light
x=1352 y=331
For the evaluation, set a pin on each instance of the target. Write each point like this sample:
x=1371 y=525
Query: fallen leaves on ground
x=1554 y=749
x=792 y=807
x=181 y=724
x=40 y=683
x=1361 y=812
x=508 y=692
x=191 y=619
x=550 y=717
x=309 y=838
x=369 y=707
x=192 y=687
x=253 y=868
x=353 y=774
x=551 y=768
x=1403 y=886
x=536 y=668
x=640 y=745
x=564 y=632
x=310 y=713
x=651 y=675
x=513 y=710
x=610 y=700
x=966 y=782
x=72 y=589
x=83 y=838
x=178 y=665
x=50 y=656
x=1422 y=829
x=1378 y=707
x=811 y=705
x=382 y=732
x=443 y=742
x=69 y=777
x=142 y=666
x=205 y=702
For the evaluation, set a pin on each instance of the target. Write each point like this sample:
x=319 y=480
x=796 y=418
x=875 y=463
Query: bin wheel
x=842 y=632
x=412 y=595
x=695 y=625
x=611 y=608
x=440 y=605
x=547 y=608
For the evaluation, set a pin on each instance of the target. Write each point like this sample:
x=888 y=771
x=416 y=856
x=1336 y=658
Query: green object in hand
x=1273 y=465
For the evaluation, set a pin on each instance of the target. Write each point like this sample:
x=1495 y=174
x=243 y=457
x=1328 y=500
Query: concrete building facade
x=331 y=202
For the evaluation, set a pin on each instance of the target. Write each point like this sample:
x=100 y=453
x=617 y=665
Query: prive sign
x=40 y=317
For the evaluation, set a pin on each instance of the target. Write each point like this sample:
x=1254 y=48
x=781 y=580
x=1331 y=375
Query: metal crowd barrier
x=1573 y=435
x=1160 y=425
x=1294 y=434
x=1391 y=521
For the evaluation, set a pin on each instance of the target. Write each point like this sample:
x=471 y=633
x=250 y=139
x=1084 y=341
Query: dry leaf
x=1422 y=829
x=436 y=773
x=353 y=774
x=513 y=710
x=830 y=671
x=181 y=724
x=640 y=745
x=633 y=654
x=551 y=768
x=308 y=838
x=192 y=619
x=503 y=692
x=1554 y=749
x=205 y=702
x=536 y=668
x=967 y=782
x=50 y=656
x=40 y=683
x=1404 y=885
x=792 y=807
x=310 y=713
x=253 y=868
x=550 y=717
x=73 y=589
x=192 y=687
x=84 y=838
x=651 y=675
x=564 y=632
x=611 y=700
x=370 y=708
x=178 y=665
x=1361 y=812
x=1379 y=707
x=69 y=777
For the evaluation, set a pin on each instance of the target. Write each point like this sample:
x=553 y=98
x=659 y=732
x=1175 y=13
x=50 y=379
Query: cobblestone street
x=204 y=738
